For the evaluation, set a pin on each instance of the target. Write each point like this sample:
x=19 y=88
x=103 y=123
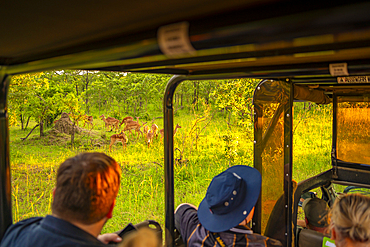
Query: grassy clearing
x=312 y=140
x=202 y=150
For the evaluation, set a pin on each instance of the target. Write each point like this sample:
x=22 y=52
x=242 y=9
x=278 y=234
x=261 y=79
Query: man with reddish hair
x=84 y=197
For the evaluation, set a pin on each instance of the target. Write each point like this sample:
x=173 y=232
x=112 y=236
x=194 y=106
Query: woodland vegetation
x=44 y=96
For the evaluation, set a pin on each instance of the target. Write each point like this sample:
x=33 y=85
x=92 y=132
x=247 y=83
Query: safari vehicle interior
x=317 y=51
x=273 y=101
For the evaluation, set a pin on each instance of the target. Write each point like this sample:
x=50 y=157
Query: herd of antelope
x=130 y=124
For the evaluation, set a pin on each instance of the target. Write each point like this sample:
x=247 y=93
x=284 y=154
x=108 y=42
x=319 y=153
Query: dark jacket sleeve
x=186 y=221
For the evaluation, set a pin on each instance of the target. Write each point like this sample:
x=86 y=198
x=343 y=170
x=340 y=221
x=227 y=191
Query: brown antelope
x=155 y=130
x=146 y=129
x=174 y=132
x=125 y=120
x=110 y=122
x=149 y=137
x=88 y=120
x=133 y=125
x=121 y=137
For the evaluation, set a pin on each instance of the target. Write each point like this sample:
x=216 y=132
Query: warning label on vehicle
x=354 y=79
x=338 y=69
x=174 y=40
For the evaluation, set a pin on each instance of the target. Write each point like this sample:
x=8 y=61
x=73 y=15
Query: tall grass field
x=203 y=148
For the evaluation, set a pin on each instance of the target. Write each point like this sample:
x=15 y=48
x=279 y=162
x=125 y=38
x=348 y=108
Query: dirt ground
x=60 y=134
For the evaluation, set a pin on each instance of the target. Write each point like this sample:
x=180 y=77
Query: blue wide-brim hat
x=230 y=198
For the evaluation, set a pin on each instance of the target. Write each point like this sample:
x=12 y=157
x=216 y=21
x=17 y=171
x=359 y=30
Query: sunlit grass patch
x=312 y=140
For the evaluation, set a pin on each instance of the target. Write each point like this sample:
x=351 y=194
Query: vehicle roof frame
x=169 y=152
x=5 y=182
x=272 y=91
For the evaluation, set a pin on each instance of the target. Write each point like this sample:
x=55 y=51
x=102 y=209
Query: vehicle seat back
x=310 y=238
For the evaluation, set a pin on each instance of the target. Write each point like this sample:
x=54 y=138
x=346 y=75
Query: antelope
x=174 y=132
x=88 y=120
x=155 y=129
x=133 y=125
x=126 y=119
x=149 y=137
x=121 y=137
x=146 y=129
x=110 y=121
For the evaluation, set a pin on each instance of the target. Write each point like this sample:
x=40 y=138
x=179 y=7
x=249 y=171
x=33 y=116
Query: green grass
x=200 y=153
x=312 y=140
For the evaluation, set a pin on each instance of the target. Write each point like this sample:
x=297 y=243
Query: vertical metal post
x=5 y=193
x=258 y=129
x=334 y=150
x=169 y=159
x=288 y=164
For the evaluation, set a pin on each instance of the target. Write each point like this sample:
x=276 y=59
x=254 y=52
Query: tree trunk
x=22 y=121
x=195 y=93
x=41 y=128
x=87 y=96
x=87 y=104
x=229 y=121
x=135 y=108
x=28 y=120
x=29 y=133
x=73 y=135
x=197 y=96
x=99 y=102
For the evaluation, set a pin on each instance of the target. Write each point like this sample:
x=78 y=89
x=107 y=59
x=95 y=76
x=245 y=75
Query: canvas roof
x=263 y=39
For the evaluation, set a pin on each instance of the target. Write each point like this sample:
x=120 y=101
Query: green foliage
x=231 y=147
x=40 y=96
x=235 y=96
x=21 y=93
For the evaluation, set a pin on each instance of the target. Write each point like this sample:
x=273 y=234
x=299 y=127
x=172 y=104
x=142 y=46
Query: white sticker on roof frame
x=353 y=79
x=338 y=69
x=174 y=39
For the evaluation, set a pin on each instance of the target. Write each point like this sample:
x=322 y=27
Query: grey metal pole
x=5 y=186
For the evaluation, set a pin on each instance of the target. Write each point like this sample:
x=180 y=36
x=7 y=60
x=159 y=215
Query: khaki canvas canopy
x=263 y=39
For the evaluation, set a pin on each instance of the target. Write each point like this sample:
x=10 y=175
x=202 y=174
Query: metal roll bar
x=5 y=183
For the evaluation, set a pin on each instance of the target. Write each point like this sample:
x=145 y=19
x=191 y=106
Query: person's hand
x=191 y=205
x=301 y=223
x=108 y=237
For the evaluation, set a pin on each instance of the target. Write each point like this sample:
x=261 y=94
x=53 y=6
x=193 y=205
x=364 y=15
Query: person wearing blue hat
x=224 y=213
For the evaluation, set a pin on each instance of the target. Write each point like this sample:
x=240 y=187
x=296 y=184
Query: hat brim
x=220 y=223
